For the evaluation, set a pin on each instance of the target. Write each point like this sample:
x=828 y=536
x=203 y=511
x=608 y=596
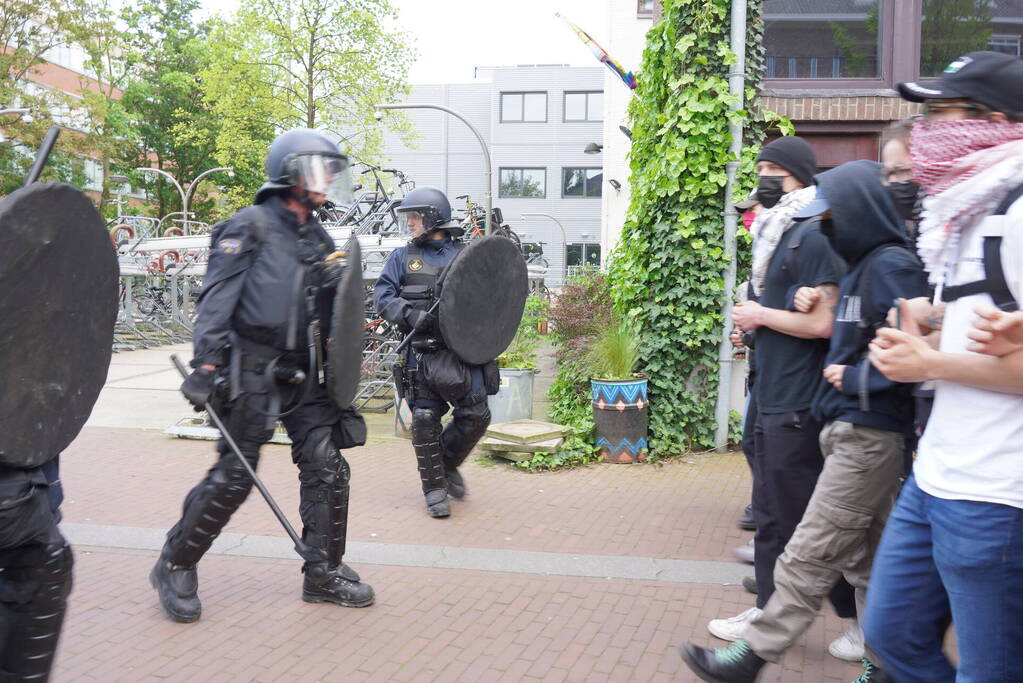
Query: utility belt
x=266 y=369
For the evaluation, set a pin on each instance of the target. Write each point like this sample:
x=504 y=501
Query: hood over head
x=863 y=212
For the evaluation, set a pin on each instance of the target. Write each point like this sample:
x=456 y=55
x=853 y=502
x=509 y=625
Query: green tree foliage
x=950 y=29
x=312 y=63
x=667 y=276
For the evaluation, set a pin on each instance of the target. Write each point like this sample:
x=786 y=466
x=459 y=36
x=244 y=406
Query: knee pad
x=425 y=425
x=325 y=459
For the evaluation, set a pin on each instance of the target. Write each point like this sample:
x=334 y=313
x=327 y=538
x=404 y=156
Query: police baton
x=305 y=551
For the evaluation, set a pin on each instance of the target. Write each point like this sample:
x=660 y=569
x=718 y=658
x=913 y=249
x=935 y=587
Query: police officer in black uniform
x=433 y=376
x=267 y=292
x=36 y=565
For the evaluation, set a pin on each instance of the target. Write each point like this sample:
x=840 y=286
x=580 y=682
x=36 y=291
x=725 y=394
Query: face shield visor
x=409 y=219
x=317 y=173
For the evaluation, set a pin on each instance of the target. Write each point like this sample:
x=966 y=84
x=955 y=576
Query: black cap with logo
x=993 y=79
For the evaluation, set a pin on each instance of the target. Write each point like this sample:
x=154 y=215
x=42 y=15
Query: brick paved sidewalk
x=428 y=624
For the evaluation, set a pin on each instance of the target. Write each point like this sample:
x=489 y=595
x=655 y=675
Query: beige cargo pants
x=837 y=536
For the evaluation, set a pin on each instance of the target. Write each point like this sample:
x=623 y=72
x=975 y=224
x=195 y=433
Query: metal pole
x=195 y=182
x=488 y=197
x=564 y=237
x=184 y=200
x=736 y=86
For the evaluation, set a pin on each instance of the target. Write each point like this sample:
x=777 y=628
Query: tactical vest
x=420 y=281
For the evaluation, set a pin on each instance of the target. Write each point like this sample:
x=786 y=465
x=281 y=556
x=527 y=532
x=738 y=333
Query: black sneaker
x=178 y=587
x=455 y=483
x=750 y=584
x=437 y=504
x=338 y=591
x=746 y=522
x=736 y=663
x=873 y=674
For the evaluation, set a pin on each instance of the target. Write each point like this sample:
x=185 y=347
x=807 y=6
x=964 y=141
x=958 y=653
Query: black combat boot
x=455 y=483
x=437 y=504
x=736 y=663
x=323 y=585
x=178 y=587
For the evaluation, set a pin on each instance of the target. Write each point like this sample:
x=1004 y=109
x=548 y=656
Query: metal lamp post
x=184 y=200
x=564 y=235
x=195 y=183
x=488 y=197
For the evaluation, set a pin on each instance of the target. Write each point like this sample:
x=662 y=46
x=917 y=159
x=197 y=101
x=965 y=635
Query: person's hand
x=748 y=315
x=806 y=298
x=198 y=387
x=995 y=332
x=921 y=311
x=901 y=356
x=419 y=320
x=736 y=338
x=834 y=374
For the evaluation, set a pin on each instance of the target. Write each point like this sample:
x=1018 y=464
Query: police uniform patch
x=229 y=245
x=415 y=264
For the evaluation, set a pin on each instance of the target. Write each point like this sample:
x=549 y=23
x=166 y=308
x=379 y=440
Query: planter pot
x=619 y=412
x=514 y=400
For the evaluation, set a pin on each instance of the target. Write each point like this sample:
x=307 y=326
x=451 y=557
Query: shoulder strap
x=993 y=283
x=1010 y=199
x=864 y=284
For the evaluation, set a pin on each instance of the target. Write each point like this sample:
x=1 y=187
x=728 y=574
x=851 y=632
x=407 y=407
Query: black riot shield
x=347 y=330
x=58 y=305
x=482 y=296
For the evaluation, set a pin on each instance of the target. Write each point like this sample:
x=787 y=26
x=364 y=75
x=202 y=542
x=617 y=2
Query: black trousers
x=786 y=463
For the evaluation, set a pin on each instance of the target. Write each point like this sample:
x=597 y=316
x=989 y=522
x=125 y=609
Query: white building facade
x=538 y=122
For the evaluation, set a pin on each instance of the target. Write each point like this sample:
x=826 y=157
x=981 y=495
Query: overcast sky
x=454 y=36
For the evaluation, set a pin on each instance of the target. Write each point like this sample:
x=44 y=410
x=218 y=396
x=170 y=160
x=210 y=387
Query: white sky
x=454 y=36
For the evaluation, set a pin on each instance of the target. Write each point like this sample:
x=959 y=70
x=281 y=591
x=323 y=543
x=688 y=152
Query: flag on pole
x=601 y=54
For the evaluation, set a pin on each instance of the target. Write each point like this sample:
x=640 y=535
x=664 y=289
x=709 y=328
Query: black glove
x=420 y=320
x=328 y=273
x=198 y=388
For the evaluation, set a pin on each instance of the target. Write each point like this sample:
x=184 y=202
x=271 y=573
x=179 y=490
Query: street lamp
x=564 y=235
x=593 y=148
x=488 y=197
x=185 y=195
x=15 y=111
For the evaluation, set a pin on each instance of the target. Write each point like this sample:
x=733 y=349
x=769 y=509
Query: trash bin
x=514 y=400
x=620 y=415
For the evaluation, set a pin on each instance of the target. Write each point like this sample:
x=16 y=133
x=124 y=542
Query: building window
x=93 y=175
x=581 y=182
x=645 y=8
x=584 y=106
x=841 y=40
x=523 y=182
x=581 y=255
x=529 y=107
x=950 y=30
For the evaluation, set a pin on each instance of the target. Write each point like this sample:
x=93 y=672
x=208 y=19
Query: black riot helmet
x=433 y=206
x=302 y=158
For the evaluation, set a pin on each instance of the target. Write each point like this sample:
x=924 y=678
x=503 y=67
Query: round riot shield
x=58 y=305
x=347 y=330
x=483 y=294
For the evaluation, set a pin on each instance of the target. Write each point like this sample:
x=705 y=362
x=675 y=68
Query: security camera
x=378 y=115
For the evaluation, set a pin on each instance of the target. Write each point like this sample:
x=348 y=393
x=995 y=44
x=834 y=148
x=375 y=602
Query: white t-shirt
x=973 y=446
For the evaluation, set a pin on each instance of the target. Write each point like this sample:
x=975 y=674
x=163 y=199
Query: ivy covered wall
x=668 y=273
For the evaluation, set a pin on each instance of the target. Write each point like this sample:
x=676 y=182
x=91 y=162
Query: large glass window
x=581 y=182
x=523 y=182
x=823 y=39
x=645 y=8
x=951 y=29
x=581 y=255
x=523 y=107
x=584 y=106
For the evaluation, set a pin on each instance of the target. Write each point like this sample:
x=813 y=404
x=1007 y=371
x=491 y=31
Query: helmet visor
x=316 y=172
x=409 y=219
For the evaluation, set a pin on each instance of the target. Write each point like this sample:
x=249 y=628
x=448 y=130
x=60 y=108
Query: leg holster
x=324 y=475
x=426 y=443
x=34 y=587
x=467 y=427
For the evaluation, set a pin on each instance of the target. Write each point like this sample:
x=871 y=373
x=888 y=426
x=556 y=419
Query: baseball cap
x=993 y=79
x=749 y=202
x=818 y=205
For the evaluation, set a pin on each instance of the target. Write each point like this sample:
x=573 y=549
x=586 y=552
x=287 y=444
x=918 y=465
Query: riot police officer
x=267 y=290
x=433 y=377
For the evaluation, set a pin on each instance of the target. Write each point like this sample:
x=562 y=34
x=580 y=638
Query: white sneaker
x=849 y=645
x=745 y=552
x=733 y=627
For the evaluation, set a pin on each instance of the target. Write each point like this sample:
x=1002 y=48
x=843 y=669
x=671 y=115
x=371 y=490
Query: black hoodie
x=864 y=227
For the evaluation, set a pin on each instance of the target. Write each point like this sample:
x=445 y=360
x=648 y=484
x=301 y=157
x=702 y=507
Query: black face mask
x=769 y=190
x=827 y=228
x=905 y=194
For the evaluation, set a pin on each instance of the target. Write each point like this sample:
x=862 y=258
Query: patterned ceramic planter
x=619 y=412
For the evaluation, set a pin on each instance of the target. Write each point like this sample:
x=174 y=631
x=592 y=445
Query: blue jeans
x=938 y=555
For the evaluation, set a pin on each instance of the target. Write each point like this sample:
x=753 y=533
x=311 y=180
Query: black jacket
x=866 y=231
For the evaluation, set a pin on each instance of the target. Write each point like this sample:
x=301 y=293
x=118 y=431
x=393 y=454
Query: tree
x=306 y=63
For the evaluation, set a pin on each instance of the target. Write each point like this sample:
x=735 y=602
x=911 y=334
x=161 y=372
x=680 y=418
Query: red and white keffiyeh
x=948 y=151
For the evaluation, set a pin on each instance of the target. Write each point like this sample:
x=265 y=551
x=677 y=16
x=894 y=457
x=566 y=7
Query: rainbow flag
x=602 y=55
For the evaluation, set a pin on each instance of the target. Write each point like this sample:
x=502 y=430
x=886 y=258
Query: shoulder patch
x=229 y=245
x=415 y=264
